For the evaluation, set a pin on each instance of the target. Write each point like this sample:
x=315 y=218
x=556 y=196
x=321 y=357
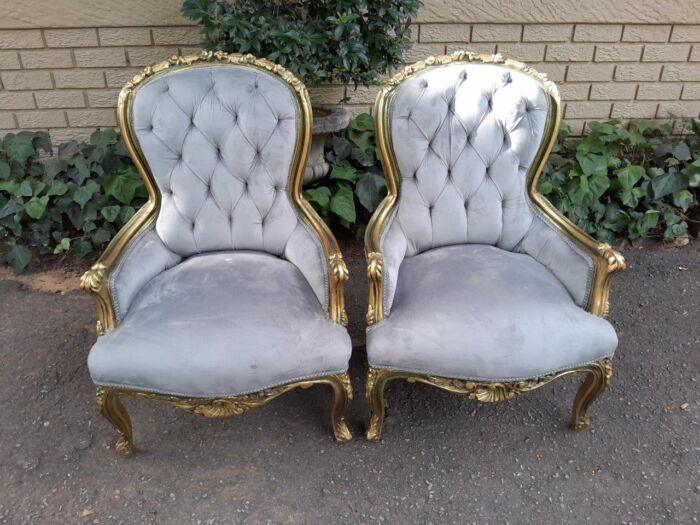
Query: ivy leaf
x=104 y=138
x=343 y=204
x=649 y=220
x=84 y=193
x=370 y=190
x=110 y=213
x=683 y=199
x=630 y=175
x=20 y=147
x=82 y=168
x=18 y=257
x=341 y=147
x=36 y=206
x=5 y=170
x=24 y=189
x=320 y=196
x=362 y=122
x=62 y=246
x=126 y=213
x=57 y=188
x=681 y=151
x=9 y=186
x=592 y=164
x=670 y=182
x=347 y=173
x=545 y=187
x=122 y=186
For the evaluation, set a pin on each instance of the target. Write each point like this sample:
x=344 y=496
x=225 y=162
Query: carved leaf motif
x=94 y=278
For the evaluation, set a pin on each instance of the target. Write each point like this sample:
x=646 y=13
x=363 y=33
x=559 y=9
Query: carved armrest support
x=375 y=276
x=338 y=275
x=96 y=282
x=608 y=262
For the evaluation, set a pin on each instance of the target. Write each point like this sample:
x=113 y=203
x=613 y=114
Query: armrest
x=135 y=255
x=385 y=250
x=314 y=250
x=584 y=265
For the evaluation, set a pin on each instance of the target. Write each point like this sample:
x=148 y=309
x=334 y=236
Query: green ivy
x=318 y=40
x=626 y=181
x=355 y=185
x=73 y=202
x=634 y=181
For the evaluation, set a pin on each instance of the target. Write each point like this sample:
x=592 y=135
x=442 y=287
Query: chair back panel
x=464 y=136
x=219 y=141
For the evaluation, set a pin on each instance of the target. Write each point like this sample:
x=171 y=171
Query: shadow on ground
x=442 y=460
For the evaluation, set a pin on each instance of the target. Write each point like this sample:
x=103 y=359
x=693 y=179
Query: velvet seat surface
x=221 y=324
x=479 y=312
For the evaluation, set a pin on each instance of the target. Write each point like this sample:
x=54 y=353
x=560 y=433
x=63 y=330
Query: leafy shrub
x=318 y=40
x=73 y=202
x=626 y=181
x=355 y=185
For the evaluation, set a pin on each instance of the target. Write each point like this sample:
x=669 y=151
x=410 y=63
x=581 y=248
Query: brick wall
x=66 y=79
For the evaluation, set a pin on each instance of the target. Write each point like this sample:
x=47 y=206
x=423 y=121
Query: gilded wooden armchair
x=226 y=289
x=478 y=286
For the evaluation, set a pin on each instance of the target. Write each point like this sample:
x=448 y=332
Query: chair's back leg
x=598 y=376
x=113 y=411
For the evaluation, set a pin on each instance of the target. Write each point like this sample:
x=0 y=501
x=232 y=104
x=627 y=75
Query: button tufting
x=424 y=83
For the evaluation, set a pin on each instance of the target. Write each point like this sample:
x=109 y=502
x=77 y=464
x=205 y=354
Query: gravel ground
x=442 y=460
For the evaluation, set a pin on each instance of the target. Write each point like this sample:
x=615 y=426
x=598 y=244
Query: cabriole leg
x=598 y=378
x=113 y=411
x=376 y=381
x=342 y=396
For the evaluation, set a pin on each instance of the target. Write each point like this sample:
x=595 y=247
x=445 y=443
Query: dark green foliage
x=630 y=181
x=356 y=184
x=74 y=201
x=318 y=40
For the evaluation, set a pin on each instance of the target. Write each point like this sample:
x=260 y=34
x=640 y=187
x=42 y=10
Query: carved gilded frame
x=96 y=280
x=606 y=260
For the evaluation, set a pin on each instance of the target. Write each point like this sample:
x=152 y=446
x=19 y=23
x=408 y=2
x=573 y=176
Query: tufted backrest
x=219 y=141
x=464 y=136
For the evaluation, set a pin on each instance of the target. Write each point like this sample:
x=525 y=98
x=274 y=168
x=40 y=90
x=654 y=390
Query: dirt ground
x=442 y=459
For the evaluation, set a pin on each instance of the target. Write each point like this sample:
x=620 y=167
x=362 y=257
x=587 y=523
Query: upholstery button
x=463 y=74
x=424 y=83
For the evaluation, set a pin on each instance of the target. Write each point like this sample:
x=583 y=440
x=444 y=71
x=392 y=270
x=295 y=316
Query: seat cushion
x=221 y=324
x=479 y=312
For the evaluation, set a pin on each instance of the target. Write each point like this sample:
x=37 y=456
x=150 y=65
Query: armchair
x=226 y=289
x=477 y=285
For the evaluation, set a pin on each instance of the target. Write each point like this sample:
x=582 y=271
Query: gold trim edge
x=599 y=372
x=109 y=404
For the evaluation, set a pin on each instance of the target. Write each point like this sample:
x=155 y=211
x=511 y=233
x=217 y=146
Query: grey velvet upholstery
x=226 y=292
x=221 y=324
x=464 y=137
x=479 y=312
x=477 y=282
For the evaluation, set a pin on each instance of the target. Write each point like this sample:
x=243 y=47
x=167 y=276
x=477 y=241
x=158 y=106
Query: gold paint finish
x=606 y=260
x=598 y=376
x=96 y=280
x=113 y=410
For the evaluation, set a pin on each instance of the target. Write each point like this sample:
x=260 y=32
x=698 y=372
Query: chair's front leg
x=342 y=396
x=598 y=376
x=113 y=411
x=376 y=382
